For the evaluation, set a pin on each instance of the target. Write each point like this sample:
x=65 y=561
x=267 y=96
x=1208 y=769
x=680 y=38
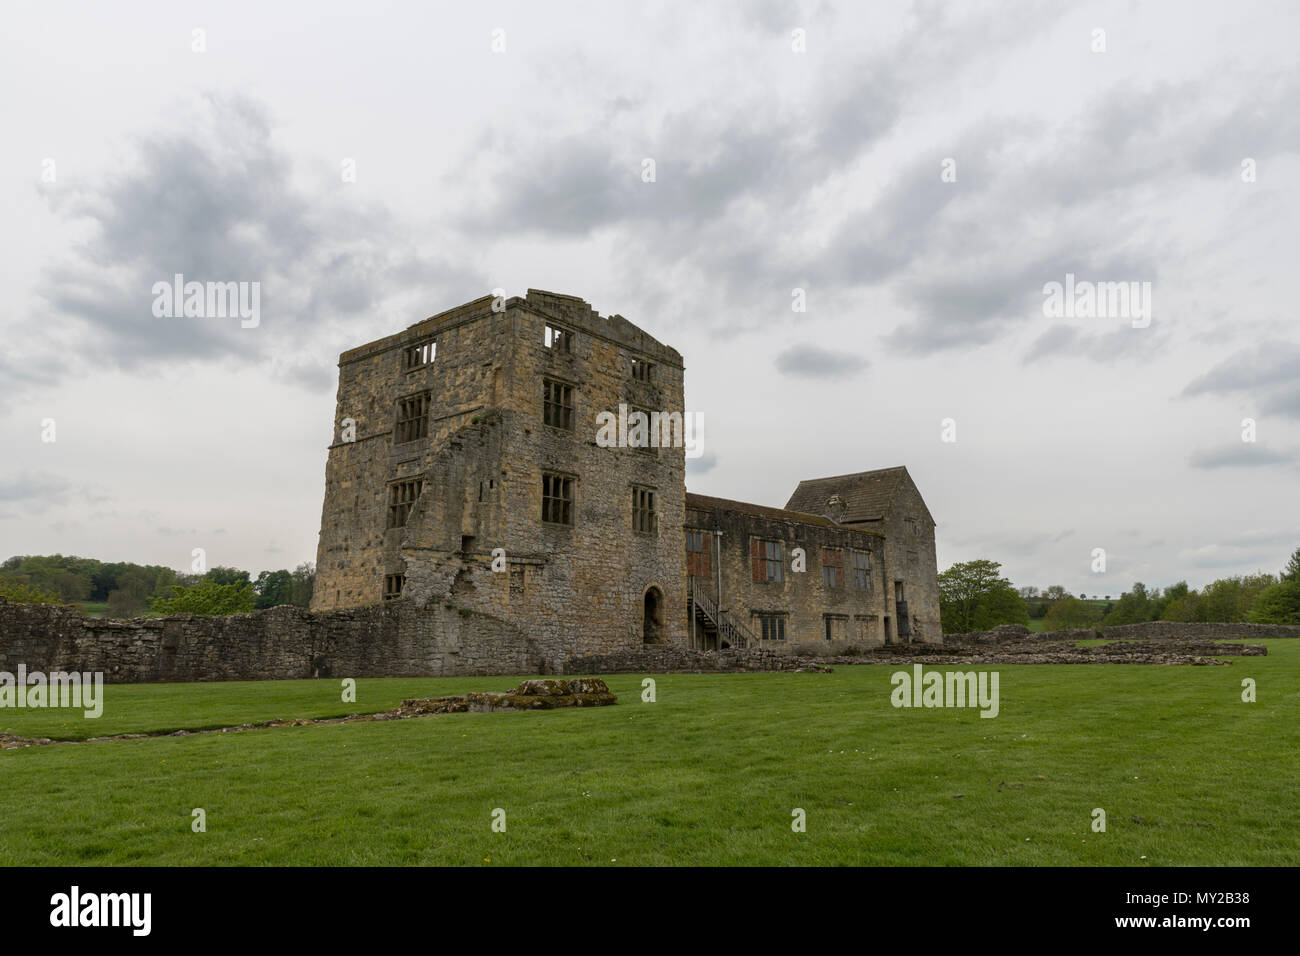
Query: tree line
x=128 y=589
x=974 y=596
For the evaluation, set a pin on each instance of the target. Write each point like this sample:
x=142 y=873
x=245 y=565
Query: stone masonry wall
x=391 y=640
x=802 y=598
x=1208 y=631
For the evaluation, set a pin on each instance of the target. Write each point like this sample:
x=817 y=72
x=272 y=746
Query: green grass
x=709 y=774
x=99 y=609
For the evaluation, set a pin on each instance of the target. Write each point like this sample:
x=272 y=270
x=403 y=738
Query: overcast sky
x=921 y=171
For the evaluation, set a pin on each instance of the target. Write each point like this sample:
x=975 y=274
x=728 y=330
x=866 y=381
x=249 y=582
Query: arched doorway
x=652 y=619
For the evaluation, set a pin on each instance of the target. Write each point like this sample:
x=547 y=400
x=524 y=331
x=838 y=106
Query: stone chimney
x=835 y=508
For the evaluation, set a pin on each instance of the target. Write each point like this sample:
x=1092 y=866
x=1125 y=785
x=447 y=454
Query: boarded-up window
x=833 y=567
x=412 y=418
x=835 y=627
x=557 y=499
x=644 y=517
x=697 y=554
x=765 y=559
x=861 y=569
x=557 y=404
x=401 y=497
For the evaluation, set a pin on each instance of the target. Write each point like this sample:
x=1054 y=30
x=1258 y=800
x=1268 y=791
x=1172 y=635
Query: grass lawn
x=709 y=774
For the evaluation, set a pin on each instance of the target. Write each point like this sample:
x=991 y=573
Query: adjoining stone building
x=466 y=472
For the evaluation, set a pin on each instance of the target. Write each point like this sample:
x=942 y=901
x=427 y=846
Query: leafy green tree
x=1292 y=570
x=1133 y=607
x=1069 y=612
x=274 y=588
x=18 y=592
x=1279 y=603
x=226 y=575
x=973 y=596
x=208 y=598
x=1185 y=605
x=304 y=583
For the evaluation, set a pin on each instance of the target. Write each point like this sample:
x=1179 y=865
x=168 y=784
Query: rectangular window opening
x=412 y=418
x=644 y=517
x=401 y=498
x=557 y=404
x=557 y=499
x=558 y=338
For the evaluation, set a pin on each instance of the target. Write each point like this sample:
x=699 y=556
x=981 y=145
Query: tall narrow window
x=422 y=353
x=833 y=567
x=557 y=499
x=412 y=418
x=641 y=431
x=644 y=518
x=401 y=498
x=861 y=569
x=697 y=554
x=765 y=560
x=558 y=338
x=557 y=404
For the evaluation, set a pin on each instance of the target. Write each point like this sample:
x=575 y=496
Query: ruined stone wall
x=575 y=588
x=673 y=659
x=910 y=558
x=1148 y=630
x=356 y=548
x=1198 y=631
x=802 y=597
x=584 y=585
x=391 y=640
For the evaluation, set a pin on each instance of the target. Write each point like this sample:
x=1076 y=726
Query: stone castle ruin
x=468 y=472
x=477 y=521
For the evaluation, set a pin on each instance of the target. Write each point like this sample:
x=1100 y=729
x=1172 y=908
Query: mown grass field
x=707 y=775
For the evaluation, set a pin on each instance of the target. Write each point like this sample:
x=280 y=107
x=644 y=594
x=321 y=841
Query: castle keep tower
x=465 y=470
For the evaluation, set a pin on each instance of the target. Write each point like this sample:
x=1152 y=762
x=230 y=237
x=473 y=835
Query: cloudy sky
x=921 y=171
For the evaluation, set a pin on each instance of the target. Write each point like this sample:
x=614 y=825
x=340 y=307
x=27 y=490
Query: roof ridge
x=856 y=474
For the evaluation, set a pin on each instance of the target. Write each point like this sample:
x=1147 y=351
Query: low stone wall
x=670 y=659
x=1199 y=631
x=1149 y=630
x=1005 y=633
x=390 y=640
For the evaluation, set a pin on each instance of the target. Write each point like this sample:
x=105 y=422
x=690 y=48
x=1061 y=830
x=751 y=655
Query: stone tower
x=466 y=470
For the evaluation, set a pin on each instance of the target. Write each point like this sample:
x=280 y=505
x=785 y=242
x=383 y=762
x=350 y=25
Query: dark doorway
x=652 y=620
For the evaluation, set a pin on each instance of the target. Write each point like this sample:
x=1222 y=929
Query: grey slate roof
x=867 y=495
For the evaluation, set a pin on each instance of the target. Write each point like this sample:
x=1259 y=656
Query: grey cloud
x=32 y=492
x=213 y=199
x=811 y=361
x=1240 y=455
x=703 y=464
x=1270 y=372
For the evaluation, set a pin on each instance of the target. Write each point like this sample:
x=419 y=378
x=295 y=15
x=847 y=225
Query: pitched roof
x=867 y=494
x=707 y=503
